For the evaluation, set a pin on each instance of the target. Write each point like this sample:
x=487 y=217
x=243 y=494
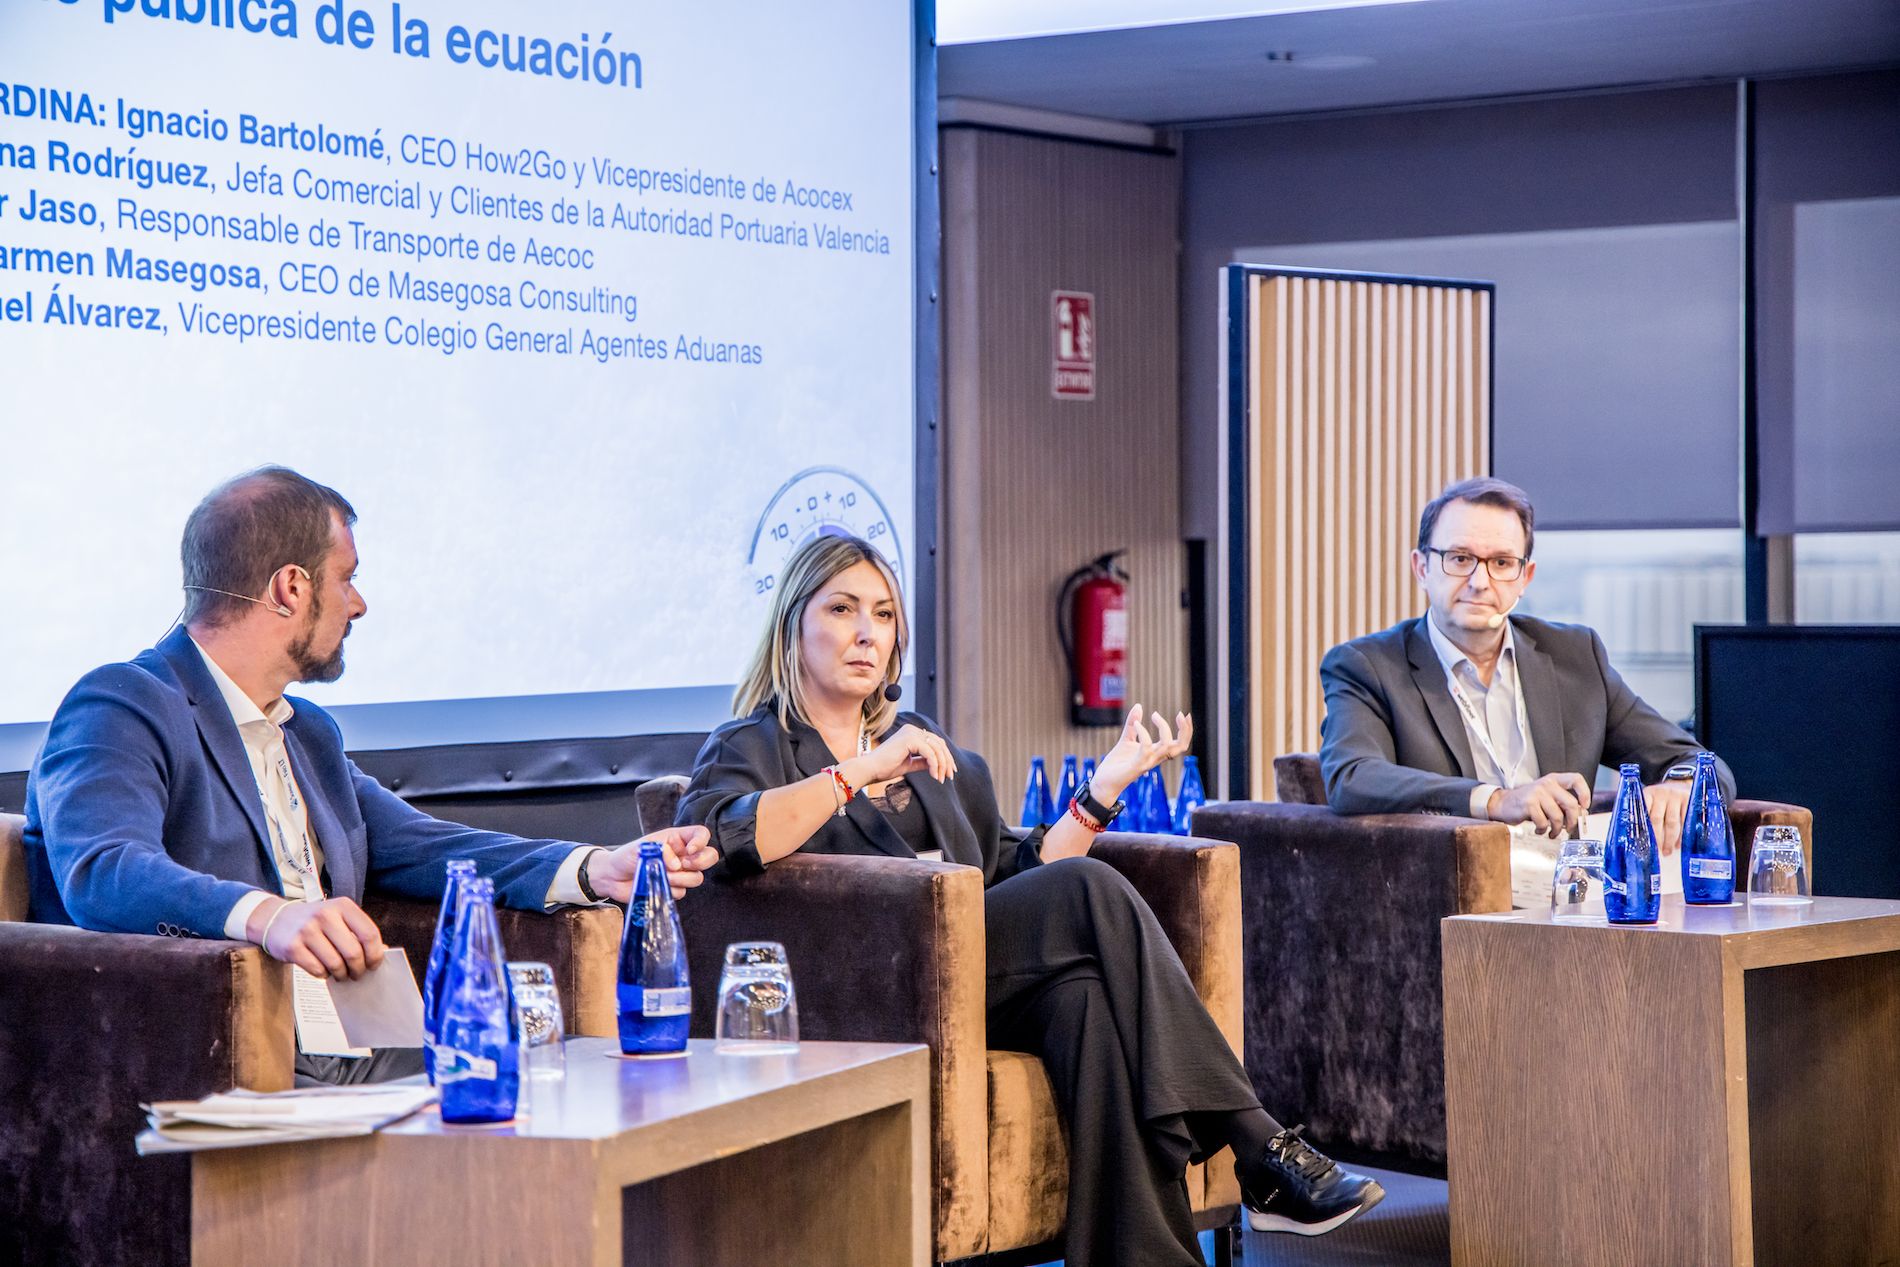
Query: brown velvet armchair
x=1344 y=1007
x=91 y=1024
x=891 y=950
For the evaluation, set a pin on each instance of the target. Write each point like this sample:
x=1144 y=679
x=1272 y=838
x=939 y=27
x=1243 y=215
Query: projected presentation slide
x=594 y=311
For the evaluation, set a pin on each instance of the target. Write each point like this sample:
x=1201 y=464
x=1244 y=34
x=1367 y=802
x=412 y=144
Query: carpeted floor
x=1410 y=1228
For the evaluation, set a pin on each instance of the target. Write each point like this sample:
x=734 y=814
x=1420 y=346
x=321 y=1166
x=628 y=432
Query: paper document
x=382 y=1008
x=1534 y=862
x=319 y=1029
x=234 y=1119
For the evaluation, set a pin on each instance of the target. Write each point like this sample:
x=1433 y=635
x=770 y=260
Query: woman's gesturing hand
x=906 y=749
x=1138 y=752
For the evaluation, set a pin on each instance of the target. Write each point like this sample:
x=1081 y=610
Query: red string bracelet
x=844 y=787
x=1075 y=812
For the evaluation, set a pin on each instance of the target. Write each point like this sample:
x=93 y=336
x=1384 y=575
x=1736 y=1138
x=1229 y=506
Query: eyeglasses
x=1502 y=567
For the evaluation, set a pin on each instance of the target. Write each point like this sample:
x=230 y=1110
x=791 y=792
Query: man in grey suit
x=1471 y=711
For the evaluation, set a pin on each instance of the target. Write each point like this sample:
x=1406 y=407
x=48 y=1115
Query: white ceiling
x=969 y=21
x=1396 y=54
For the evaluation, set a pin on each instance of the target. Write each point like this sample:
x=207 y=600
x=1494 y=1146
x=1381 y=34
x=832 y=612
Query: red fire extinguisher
x=1092 y=625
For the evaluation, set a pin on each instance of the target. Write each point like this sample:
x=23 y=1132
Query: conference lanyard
x=303 y=862
x=1481 y=729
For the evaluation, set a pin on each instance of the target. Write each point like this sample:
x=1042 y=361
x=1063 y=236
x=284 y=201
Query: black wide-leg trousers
x=1081 y=975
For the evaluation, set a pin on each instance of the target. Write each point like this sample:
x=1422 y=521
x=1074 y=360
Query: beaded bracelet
x=842 y=787
x=1075 y=812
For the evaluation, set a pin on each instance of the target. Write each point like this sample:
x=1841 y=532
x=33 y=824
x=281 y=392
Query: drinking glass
x=538 y=1005
x=1777 y=870
x=1576 y=892
x=758 y=1013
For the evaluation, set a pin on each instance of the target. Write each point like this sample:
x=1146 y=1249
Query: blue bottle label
x=453 y=1065
x=667 y=1001
x=1711 y=869
x=1655 y=886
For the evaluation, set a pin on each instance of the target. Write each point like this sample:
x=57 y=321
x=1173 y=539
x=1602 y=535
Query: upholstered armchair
x=1344 y=1007
x=891 y=950
x=93 y=1024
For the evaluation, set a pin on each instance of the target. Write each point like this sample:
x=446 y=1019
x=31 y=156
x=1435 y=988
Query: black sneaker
x=1296 y=1188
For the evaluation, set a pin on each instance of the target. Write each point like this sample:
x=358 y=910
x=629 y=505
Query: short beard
x=309 y=667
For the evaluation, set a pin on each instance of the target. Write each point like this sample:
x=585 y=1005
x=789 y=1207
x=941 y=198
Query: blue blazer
x=143 y=816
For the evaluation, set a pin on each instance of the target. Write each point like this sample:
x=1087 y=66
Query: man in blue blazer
x=184 y=794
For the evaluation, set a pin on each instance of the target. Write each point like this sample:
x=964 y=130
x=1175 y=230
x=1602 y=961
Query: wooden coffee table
x=1721 y=1089
x=815 y=1157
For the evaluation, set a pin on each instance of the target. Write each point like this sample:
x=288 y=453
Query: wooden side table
x=821 y=1156
x=1718 y=1090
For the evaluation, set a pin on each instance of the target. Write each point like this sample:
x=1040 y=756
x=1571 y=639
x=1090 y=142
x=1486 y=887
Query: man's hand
x=1556 y=803
x=688 y=853
x=1668 y=804
x=332 y=938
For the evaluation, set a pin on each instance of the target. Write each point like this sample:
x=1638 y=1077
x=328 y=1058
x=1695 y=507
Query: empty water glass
x=538 y=1011
x=1777 y=869
x=1576 y=892
x=758 y=1013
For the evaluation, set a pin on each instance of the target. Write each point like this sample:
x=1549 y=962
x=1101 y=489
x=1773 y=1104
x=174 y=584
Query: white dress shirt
x=1505 y=739
x=294 y=847
x=1497 y=726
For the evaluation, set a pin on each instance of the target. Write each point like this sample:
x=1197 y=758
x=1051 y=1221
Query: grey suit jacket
x=1393 y=741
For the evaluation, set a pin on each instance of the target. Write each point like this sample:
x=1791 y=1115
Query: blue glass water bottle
x=656 y=996
x=1632 y=878
x=1037 y=807
x=1066 y=791
x=1190 y=798
x=1154 y=803
x=478 y=1052
x=1708 y=841
x=446 y=922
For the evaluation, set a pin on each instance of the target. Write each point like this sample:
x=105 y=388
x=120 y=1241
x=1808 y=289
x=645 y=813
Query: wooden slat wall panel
x=1035 y=487
x=1366 y=398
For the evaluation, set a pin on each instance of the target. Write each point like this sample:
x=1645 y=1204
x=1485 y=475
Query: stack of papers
x=236 y=1119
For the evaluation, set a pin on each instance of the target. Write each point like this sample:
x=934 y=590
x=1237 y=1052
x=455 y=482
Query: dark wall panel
x=1827 y=259
x=1602 y=220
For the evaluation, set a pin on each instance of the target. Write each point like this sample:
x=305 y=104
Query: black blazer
x=754 y=754
x=1393 y=741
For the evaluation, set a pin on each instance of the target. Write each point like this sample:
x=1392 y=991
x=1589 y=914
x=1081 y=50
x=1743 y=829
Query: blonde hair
x=775 y=672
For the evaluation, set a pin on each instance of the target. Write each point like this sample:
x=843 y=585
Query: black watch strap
x=580 y=878
x=1103 y=814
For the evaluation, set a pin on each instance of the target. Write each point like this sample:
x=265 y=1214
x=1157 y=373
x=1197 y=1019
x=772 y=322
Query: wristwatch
x=1103 y=814
x=580 y=877
x=1683 y=773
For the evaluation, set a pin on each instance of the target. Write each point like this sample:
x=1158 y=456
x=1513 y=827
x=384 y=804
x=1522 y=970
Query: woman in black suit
x=1079 y=972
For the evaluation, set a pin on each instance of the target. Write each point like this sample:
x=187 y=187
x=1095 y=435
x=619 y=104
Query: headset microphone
x=1497 y=621
x=893 y=692
x=279 y=608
